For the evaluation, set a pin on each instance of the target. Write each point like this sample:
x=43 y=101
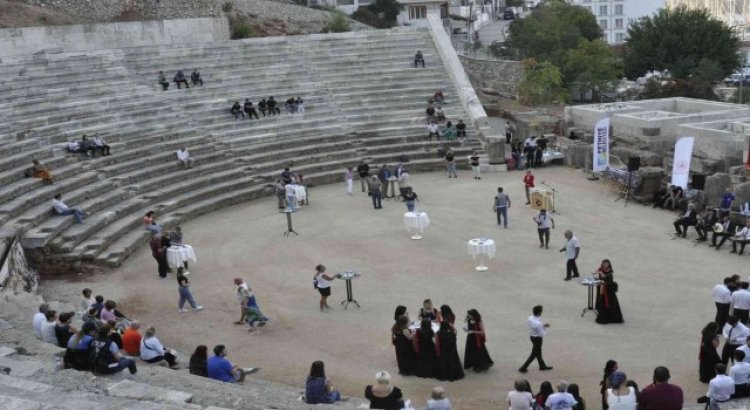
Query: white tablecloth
x=416 y=221
x=481 y=247
x=300 y=193
x=550 y=155
x=177 y=254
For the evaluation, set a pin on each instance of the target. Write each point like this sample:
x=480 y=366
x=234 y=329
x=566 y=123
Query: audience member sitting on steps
x=195 y=77
x=88 y=146
x=461 y=131
x=430 y=114
x=184 y=157
x=101 y=145
x=86 y=300
x=115 y=335
x=438 y=97
x=74 y=147
x=383 y=395
x=48 y=327
x=449 y=133
x=163 y=81
x=76 y=355
x=61 y=209
x=318 y=388
x=40 y=171
x=219 y=368
x=438 y=401
x=300 y=105
x=236 y=110
x=263 y=106
x=432 y=129
x=273 y=109
x=131 y=339
x=91 y=316
x=106 y=355
x=439 y=113
x=152 y=351
x=561 y=400
x=418 y=58
x=290 y=105
x=742 y=238
x=199 y=361
x=63 y=330
x=149 y=223
x=249 y=110
x=39 y=318
x=179 y=79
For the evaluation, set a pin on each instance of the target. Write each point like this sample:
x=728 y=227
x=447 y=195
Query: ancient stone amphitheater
x=363 y=98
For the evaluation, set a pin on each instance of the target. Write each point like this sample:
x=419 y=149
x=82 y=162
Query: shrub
x=239 y=28
x=339 y=23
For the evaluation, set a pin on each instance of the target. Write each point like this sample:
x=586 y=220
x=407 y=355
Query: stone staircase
x=31 y=378
x=363 y=100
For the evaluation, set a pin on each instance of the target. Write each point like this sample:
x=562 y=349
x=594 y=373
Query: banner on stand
x=683 y=151
x=601 y=145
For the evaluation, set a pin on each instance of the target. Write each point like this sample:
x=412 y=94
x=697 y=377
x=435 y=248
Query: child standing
x=349 y=177
x=183 y=286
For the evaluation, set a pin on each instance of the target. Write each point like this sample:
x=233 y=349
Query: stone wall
x=502 y=77
x=18 y=42
x=106 y=10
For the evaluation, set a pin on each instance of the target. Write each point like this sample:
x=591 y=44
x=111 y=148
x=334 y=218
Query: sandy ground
x=665 y=286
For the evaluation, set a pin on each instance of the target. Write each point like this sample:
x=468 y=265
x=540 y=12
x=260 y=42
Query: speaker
x=699 y=182
x=634 y=164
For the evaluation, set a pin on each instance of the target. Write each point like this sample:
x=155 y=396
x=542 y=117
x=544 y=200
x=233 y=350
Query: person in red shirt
x=131 y=339
x=528 y=182
x=661 y=395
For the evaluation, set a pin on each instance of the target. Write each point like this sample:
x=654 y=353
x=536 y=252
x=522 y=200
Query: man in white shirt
x=543 y=222
x=740 y=301
x=572 y=249
x=742 y=238
x=432 y=129
x=291 y=197
x=562 y=400
x=740 y=374
x=745 y=348
x=536 y=334
x=74 y=147
x=48 y=327
x=59 y=206
x=720 y=388
x=736 y=335
x=184 y=157
x=39 y=318
x=721 y=295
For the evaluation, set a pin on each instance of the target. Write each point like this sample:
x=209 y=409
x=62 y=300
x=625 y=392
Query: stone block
x=16 y=403
x=140 y=391
x=495 y=148
x=742 y=192
x=6 y=351
x=23 y=384
x=716 y=185
x=651 y=180
x=19 y=368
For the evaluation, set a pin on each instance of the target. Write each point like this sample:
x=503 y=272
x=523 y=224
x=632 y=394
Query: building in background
x=614 y=16
x=735 y=13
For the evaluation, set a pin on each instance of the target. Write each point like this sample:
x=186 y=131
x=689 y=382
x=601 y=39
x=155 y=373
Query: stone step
x=20 y=368
x=141 y=391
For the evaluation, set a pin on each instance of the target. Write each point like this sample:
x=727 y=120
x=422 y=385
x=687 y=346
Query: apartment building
x=614 y=16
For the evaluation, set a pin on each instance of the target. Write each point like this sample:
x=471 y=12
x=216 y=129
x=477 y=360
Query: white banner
x=683 y=150
x=601 y=145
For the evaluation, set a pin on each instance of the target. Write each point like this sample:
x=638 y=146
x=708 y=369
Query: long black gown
x=607 y=305
x=708 y=358
x=475 y=355
x=404 y=354
x=448 y=362
x=426 y=356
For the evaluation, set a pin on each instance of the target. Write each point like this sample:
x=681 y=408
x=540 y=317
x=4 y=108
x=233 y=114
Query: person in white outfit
x=152 y=351
x=184 y=157
x=520 y=398
x=39 y=318
x=349 y=178
x=438 y=400
x=620 y=396
x=48 y=327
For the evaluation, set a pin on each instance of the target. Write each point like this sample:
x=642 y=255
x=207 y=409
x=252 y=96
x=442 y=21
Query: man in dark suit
x=727 y=230
x=706 y=222
x=689 y=218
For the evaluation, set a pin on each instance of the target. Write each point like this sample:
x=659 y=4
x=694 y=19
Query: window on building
x=417 y=12
x=602 y=10
x=618 y=23
x=620 y=37
x=603 y=24
x=618 y=9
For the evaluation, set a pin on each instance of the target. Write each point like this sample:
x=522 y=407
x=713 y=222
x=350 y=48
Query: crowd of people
x=529 y=153
x=180 y=79
x=88 y=147
x=267 y=107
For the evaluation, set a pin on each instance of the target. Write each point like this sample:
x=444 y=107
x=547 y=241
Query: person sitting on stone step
x=236 y=110
x=430 y=113
x=219 y=368
x=131 y=339
x=48 y=327
x=263 y=106
x=438 y=97
x=152 y=351
x=39 y=318
x=63 y=329
x=88 y=146
x=101 y=145
x=439 y=113
x=461 y=131
x=195 y=77
x=418 y=58
x=291 y=106
x=185 y=159
x=40 y=171
x=249 y=109
x=76 y=355
x=62 y=209
x=179 y=79
x=300 y=105
x=449 y=133
x=273 y=108
x=74 y=147
x=199 y=361
x=432 y=129
x=162 y=80
x=106 y=355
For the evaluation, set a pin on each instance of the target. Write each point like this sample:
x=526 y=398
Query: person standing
x=383 y=176
x=508 y=132
x=708 y=357
x=349 y=178
x=461 y=131
x=322 y=281
x=242 y=294
x=572 y=249
x=474 y=161
x=740 y=301
x=402 y=340
x=536 y=334
x=607 y=305
x=183 y=287
x=374 y=186
x=544 y=222
x=410 y=198
x=363 y=170
x=450 y=163
x=502 y=204
x=475 y=354
x=726 y=203
x=159 y=252
x=448 y=362
x=528 y=183
x=424 y=346
x=291 y=197
x=722 y=296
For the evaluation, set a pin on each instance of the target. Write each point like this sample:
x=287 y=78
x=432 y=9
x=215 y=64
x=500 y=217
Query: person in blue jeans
x=501 y=206
x=318 y=388
x=107 y=356
x=410 y=197
x=59 y=206
x=374 y=187
x=219 y=368
x=183 y=286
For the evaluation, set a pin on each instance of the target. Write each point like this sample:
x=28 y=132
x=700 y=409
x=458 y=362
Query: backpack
x=99 y=355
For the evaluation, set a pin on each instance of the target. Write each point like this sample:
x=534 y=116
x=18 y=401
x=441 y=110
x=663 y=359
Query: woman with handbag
x=322 y=282
x=607 y=305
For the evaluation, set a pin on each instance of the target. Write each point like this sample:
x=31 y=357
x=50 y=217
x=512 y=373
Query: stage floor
x=664 y=286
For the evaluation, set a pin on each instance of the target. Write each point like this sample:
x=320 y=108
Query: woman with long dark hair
x=448 y=362
x=545 y=390
x=607 y=305
x=318 y=388
x=447 y=315
x=475 y=355
x=199 y=361
x=609 y=368
x=401 y=337
x=574 y=391
x=424 y=345
x=708 y=357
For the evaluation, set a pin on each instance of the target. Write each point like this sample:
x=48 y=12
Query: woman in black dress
x=476 y=355
x=447 y=315
x=401 y=337
x=607 y=305
x=448 y=362
x=427 y=311
x=424 y=344
x=708 y=357
x=609 y=368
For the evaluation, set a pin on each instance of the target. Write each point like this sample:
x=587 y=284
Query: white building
x=415 y=12
x=614 y=16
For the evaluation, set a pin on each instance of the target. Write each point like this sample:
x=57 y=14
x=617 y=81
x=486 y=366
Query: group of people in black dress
x=425 y=353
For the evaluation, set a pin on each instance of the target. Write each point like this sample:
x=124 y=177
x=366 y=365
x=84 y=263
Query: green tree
x=678 y=40
x=591 y=65
x=338 y=23
x=550 y=31
x=387 y=9
x=542 y=84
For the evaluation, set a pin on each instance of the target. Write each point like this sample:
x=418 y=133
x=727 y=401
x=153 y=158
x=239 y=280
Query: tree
x=678 y=40
x=338 y=23
x=388 y=9
x=550 y=31
x=542 y=84
x=591 y=65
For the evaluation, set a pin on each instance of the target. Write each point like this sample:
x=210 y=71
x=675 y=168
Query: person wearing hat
x=661 y=395
x=543 y=222
x=620 y=396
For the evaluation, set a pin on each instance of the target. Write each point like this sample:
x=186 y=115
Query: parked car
x=460 y=30
x=509 y=15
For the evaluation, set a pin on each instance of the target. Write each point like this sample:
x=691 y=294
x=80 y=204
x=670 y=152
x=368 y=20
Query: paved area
x=665 y=286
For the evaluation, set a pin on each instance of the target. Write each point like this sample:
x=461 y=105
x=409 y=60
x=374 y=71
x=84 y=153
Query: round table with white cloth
x=416 y=223
x=177 y=254
x=481 y=248
x=300 y=193
x=416 y=325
